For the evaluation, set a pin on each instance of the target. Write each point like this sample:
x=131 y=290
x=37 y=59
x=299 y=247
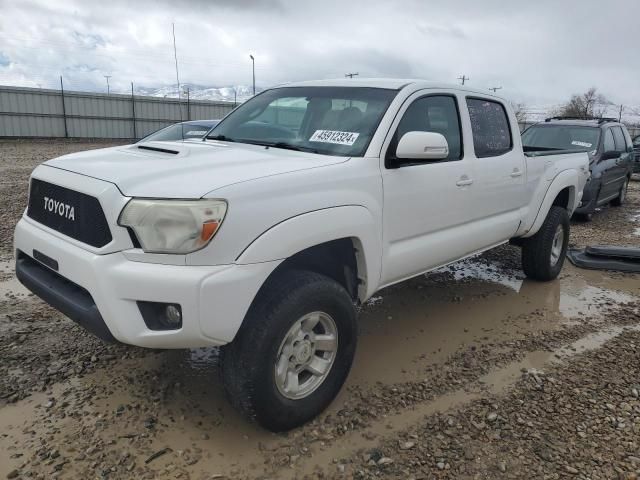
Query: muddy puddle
x=174 y=399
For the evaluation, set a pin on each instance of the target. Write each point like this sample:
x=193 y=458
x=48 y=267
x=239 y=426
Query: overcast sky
x=539 y=51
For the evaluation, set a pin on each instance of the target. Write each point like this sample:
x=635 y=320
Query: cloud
x=539 y=52
x=431 y=30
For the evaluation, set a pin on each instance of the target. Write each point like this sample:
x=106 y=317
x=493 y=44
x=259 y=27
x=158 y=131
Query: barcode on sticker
x=334 y=136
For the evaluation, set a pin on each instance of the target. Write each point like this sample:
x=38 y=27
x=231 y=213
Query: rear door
x=499 y=192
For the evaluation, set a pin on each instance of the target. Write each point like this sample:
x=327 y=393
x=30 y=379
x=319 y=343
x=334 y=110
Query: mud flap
x=603 y=257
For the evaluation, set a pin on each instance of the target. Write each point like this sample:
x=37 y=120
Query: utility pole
x=133 y=113
x=253 y=70
x=351 y=75
x=64 y=109
x=175 y=56
x=494 y=89
x=107 y=77
x=620 y=113
x=188 y=105
x=463 y=78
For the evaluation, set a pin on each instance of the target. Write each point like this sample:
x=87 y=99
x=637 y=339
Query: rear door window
x=490 y=128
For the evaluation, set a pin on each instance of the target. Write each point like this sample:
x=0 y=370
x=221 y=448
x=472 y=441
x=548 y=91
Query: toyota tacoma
x=264 y=237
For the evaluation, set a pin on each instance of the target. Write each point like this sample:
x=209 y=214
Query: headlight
x=173 y=226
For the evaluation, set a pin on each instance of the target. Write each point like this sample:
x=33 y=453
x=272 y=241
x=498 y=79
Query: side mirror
x=609 y=155
x=422 y=146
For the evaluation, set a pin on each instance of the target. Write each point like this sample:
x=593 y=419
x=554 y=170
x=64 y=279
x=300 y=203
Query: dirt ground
x=469 y=372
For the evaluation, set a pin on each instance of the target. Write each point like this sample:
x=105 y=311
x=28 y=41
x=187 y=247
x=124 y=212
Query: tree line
x=590 y=104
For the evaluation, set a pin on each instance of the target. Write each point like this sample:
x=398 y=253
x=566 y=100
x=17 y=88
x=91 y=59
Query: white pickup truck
x=301 y=204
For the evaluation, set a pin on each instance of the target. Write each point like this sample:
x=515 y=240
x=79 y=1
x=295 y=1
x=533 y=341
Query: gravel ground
x=577 y=420
x=468 y=372
x=612 y=225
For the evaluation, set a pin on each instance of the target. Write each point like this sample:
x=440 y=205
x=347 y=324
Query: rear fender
x=565 y=179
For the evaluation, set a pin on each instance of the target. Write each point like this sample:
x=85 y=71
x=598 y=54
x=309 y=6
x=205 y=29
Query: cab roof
x=389 y=83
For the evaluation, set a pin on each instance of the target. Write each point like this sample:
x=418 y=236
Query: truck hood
x=186 y=169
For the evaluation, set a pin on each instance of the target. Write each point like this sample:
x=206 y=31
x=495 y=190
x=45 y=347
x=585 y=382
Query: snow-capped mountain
x=239 y=93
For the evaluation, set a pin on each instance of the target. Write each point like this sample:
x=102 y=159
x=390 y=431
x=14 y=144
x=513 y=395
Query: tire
x=583 y=217
x=542 y=255
x=622 y=195
x=249 y=363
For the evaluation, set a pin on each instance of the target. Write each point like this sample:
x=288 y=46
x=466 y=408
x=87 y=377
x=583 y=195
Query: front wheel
x=543 y=253
x=293 y=352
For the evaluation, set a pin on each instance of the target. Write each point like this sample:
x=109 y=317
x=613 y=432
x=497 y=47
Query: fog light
x=174 y=315
x=161 y=316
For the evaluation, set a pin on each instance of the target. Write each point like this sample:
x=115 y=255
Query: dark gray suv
x=610 y=149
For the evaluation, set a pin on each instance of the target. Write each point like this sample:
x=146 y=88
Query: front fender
x=565 y=179
x=313 y=228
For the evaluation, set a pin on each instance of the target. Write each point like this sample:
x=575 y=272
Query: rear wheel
x=543 y=254
x=622 y=195
x=293 y=352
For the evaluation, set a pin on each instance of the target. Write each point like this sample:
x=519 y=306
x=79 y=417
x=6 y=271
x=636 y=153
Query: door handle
x=464 y=181
x=516 y=173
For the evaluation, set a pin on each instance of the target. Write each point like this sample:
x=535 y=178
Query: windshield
x=636 y=141
x=179 y=131
x=326 y=120
x=561 y=137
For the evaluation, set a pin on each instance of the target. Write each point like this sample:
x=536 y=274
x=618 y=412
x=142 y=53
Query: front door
x=426 y=203
x=611 y=170
x=623 y=162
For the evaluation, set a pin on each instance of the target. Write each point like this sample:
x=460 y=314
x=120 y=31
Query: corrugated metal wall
x=33 y=112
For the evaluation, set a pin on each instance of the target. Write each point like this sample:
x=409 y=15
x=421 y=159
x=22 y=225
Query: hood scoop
x=158 y=149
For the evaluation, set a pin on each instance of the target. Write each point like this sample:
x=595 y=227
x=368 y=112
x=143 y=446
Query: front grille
x=71 y=213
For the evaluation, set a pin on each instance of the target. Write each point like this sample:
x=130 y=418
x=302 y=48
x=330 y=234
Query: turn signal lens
x=209 y=229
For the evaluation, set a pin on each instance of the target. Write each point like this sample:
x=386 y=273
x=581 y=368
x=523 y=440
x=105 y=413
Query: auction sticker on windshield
x=334 y=136
x=581 y=144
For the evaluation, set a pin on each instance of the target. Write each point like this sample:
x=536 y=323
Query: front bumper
x=100 y=291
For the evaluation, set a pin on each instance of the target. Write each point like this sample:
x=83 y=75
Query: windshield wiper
x=220 y=137
x=284 y=146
